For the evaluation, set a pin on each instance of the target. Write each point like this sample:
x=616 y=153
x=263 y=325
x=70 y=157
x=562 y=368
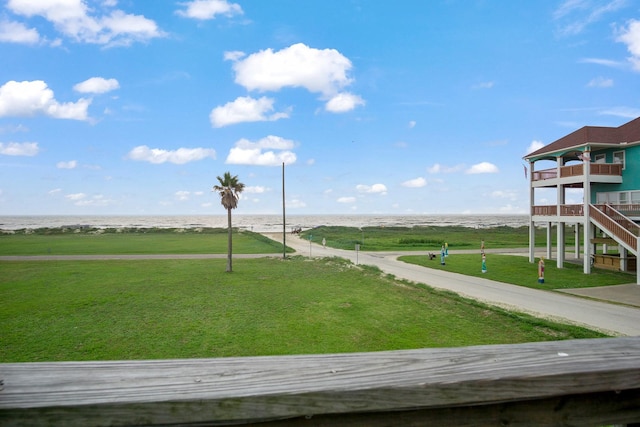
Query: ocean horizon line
x=260 y=222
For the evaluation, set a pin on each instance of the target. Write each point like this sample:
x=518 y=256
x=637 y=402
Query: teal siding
x=630 y=174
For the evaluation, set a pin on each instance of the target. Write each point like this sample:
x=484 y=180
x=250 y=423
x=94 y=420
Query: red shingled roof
x=600 y=135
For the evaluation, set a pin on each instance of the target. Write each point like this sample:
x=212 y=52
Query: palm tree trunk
x=229 y=250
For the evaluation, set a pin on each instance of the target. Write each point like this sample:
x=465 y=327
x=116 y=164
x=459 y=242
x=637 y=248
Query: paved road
x=611 y=318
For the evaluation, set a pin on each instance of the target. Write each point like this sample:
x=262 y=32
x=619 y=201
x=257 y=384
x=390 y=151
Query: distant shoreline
x=258 y=223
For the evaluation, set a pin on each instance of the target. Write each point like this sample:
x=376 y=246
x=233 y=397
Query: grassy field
x=108 y=310
x=134 y=241
x=427 y=238
x=518 y=271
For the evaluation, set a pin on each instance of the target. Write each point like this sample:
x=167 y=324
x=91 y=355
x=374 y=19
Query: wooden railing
x=544 y=210
x=606 y=169
x=614 y=169
x=631 y=209
x=552 y=210
x=576 y=382
x=617 y=224
x=544 y=174
x=571 y=210
x=574 y=170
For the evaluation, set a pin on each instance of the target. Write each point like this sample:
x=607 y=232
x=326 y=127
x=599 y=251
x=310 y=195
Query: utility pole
x=284 y=221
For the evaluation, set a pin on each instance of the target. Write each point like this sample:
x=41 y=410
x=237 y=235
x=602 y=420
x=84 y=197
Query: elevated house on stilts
x=602 y=166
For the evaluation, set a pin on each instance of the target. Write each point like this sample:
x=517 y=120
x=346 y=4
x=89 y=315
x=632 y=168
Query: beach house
x=588 y=183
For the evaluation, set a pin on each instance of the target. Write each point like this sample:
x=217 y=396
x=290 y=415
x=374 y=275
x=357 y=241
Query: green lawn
x=135 y=241
x=147 y=309
x=427 y=238
x=518 y=270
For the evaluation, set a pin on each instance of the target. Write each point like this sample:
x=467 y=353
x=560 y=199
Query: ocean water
x=260 y=223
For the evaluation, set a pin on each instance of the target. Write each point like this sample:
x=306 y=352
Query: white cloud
x=75 y=196
x=247 y=152
x=576 y=15
x=605 y=62
x=71 y=164
x=600 y=82
x=319 y=71
x=322 y=71
x=346 y=200
x=343 y=102
x=483 y=167
x=233 y=55
x=256 y=189
x=97 y=85
x=631 y=37
x=73 y=19
x=19 y=148
x=180 y=156
x=270 y=141
x=625 y=112
x=245 y=109
x=17 y=32
x=81 y=199
x=438 y=168
x=412 y=124
x=182 y=195
x=30 y=98
x=415 y=183
x=372 y=189
x=208 y=9
x=534 y=146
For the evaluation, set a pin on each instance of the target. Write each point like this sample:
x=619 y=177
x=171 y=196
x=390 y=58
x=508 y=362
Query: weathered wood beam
x=596 y=409
x=556 y=375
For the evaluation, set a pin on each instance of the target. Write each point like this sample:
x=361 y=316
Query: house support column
x=624 y=256
x=548 y=240
x=532 y=225
x=588 y=234
x=561 y=245
x=586 y=211
x=532 y=241
x=577 y=240
x=560 y=200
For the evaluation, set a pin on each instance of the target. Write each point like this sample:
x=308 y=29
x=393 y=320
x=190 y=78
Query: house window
x=601 y=198
x=623 y=198
x=618 y=157
x=635 y=197
x=600 y=158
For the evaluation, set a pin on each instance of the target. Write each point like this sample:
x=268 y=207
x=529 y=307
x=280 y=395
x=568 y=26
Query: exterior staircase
x=618 y=226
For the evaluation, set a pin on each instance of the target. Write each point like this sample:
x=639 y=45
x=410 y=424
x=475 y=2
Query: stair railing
x=617 y=224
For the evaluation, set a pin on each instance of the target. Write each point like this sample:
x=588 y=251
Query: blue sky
x=407 y=107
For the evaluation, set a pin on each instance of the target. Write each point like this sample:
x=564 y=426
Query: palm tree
x=229 y=189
